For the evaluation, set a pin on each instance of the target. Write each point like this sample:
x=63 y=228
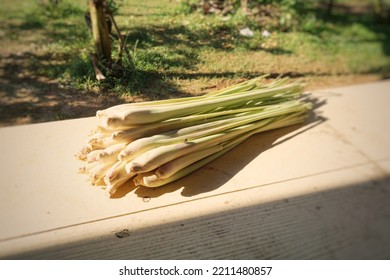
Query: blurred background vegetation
x=191 y=46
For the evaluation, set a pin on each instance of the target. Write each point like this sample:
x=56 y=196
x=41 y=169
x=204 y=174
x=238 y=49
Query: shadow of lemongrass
x=221 y=170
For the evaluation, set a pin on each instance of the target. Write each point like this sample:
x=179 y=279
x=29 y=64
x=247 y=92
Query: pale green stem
x=151 y=180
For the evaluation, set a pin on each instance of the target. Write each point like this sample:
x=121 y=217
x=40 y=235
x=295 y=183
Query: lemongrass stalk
x=140 y=135
x=112 y=109
x=98 y=172
x=146 y=130
x=82 y=154
x=154 y=158
x=181 y=168
x=112 y=129
x=136 y=131
x=191 y=133
x=116 y=176
x=187 y=132
x=93 y=155
x=114 y=185
x=107 y=155
x=144 y=105
x=171 y=167
x=168 y=169
x=140 y=146
x=96 y=137
x=244 y=86
x=160 y=113
x=147 y=104
x=105 y=143
x=154 y=114
x=150 y=179
x=86 y=168
x=111 y=153
x=274 y=123
x=172 y=102
x=113 y=172
x=291 y=119
x=141 y=179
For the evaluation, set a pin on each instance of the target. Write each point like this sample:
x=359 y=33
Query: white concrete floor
x=319 y=191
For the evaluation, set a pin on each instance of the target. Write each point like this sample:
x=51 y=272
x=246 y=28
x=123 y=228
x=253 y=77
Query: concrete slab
x=385 y=165
x=341 y=151
x=361 y=114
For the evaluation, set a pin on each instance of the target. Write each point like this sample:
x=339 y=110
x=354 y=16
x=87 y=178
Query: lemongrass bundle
x=154 y=143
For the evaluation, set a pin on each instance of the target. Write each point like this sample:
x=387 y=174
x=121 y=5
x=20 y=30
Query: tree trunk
x=100 y=32
x=329 y=8
x=244 y=7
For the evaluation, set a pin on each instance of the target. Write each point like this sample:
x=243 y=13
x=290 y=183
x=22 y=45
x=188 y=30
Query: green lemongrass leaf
x=159 y=113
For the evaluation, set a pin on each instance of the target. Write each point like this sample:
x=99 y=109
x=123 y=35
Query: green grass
x=178 y=52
